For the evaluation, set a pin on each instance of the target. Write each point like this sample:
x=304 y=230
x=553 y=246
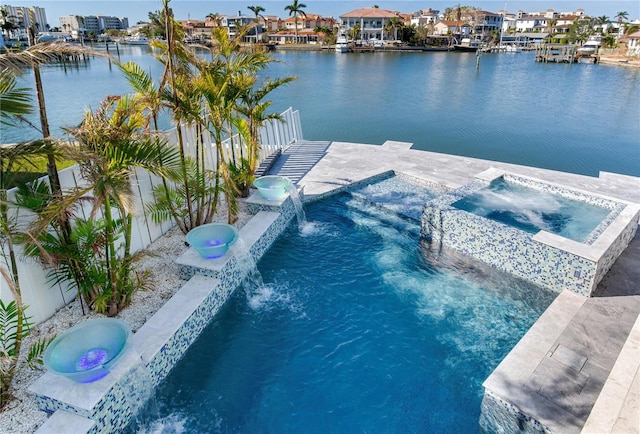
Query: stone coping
x=617 y=410
x=510 y=379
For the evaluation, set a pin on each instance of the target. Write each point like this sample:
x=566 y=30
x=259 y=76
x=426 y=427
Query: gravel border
x=21 y=414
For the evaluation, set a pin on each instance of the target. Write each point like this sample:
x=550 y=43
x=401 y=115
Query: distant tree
x=579 y=30
x=622 y=16
x=609 y=41
x=8 y=25
x=551 y=25
x=215 y=17
x=631 y=29
x=393 y=25
x=156 y=25
x=256 y=10
x=325 y=32
x=296 y=9
x=376 y=6
x=354 y=32
x=602 y=23
x=421 y=35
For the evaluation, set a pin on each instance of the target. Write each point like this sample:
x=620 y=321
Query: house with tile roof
x=286 y=29
x=446 y=27
x=371 y=21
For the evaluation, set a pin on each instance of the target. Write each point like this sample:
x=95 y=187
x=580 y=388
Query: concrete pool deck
x=578 y=368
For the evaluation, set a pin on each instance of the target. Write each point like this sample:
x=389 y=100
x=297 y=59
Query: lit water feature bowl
x=85 y=353
x=212 y=240
x=273 y=187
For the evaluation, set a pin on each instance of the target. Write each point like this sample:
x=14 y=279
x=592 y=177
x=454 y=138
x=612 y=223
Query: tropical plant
x=14 y=324
x=98 y=261
x=36 y=352
x=622 y=16
x=609 y=41
x=220 y=100
x=215 y=17
x=393 y=25
x=296 y=9
x=354 y=32
x=15 y=102
x=256 y=10
x=253 y=107
x=326 y=33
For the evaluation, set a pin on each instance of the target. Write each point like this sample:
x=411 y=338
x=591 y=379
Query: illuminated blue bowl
x=212 y=240
x=85 y=353
x=273 y=187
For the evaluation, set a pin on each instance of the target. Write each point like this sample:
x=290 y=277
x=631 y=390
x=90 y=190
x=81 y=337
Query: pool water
x=357 y=326
x=532 y=210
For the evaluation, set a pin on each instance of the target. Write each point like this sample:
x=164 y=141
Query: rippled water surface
x=580 y=118
x=357 y=327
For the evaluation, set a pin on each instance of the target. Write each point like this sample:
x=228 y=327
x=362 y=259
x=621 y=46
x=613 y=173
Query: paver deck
x=572 y=364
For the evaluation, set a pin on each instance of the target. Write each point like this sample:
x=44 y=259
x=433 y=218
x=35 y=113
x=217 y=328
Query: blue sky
x=137 y=10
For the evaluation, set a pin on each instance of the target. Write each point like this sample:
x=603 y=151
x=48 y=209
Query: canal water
x=579 y=118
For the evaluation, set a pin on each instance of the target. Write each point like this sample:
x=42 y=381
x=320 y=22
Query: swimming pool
x=358 y=326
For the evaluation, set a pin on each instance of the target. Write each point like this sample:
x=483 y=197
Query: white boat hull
x=587 y=51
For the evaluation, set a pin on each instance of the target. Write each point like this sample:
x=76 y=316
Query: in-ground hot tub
x=553 y=236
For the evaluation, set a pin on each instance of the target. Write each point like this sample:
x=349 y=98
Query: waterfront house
x=305 y=36
x=531 y=23
x=423 y=18
x=308 y=22
x=271 y=23
x=445 y=27
x=232 y=23
x=284 y=30
x=371 y=20
x=633 y=44
x=482 y=22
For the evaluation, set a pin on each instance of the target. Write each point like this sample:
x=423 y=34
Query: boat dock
x=557 y=53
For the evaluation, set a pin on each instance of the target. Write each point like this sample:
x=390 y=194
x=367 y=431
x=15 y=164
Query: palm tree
x=8 y=25
x=109 y=144
x=256 y=10
x=393 y=25
x=296 y=9
x=215 y=17
x=254 y=109
x=326 y=33
x=33 y=56
x=14 y=103
x=622 y=16
x=602 y=22
x=354 y=32
x=551 y=24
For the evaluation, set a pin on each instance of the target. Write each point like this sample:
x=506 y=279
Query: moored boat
x=137 y=39
x=591 y=46
x=467 y=44
x=342 y=43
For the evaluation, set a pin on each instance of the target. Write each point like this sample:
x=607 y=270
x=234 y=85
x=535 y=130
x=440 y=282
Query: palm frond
x=42 y=53
x=36 y=352
x=15 y=102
